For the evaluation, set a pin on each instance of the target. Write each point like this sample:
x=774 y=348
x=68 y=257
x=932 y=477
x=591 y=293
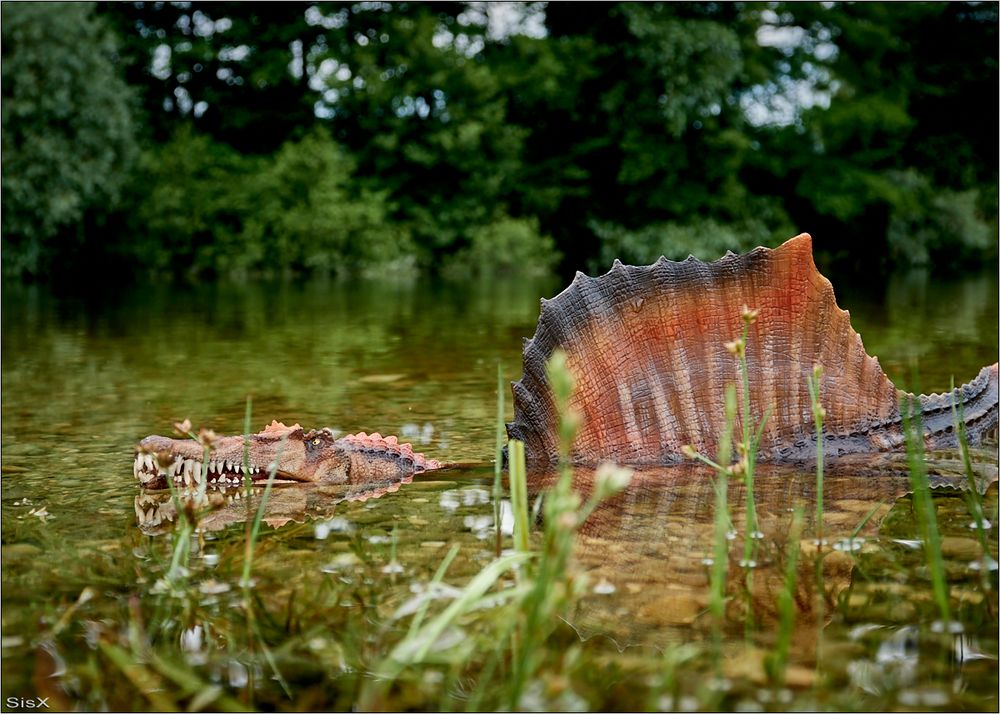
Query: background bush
x=281 y=138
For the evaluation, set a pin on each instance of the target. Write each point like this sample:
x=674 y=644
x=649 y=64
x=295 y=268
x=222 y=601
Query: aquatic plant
x=776 y=660
x=553 y=586
x=519 y=495
x=254 y=534
x=923 y=505
x=190 y=509
x=973 y=497
x=498 y=460
x=722 y=522
x=721 y=525
x=819 y=414
x=545 y=583
x=415 y=647
x=745 y=465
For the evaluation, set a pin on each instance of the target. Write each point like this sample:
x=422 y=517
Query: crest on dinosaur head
x=277 y=429
x=646 y=346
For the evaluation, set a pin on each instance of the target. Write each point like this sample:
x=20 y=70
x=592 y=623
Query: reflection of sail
x=156 y=511
x=647 y=550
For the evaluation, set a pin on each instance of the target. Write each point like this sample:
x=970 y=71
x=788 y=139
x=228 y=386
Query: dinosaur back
x=646 y=346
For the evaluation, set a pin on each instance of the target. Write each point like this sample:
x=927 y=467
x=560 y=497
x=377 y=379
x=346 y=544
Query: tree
x=901 y=164
x=239 y=71
x=67 y=129
x=635 y=127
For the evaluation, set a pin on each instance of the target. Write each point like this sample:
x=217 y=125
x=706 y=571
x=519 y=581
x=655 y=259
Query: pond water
x=86 y=620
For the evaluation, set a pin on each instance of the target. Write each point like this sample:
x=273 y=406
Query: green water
x=84 y=377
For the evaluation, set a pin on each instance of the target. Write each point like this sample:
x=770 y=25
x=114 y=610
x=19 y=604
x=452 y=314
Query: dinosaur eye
x=315 y=442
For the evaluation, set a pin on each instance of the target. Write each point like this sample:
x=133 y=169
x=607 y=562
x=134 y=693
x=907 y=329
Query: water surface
x=86 y=376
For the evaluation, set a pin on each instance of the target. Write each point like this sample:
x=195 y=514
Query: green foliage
x=208 y=208
x=933 y=225
x=897 y=156
x=306 y=218
x=510 y=246
x=184 y=200
x=228 y=67
x=693 y=60
x=67 y=129
x=340 y=138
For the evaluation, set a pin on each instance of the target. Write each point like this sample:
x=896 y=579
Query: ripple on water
x=337 y=524
x=604 y=587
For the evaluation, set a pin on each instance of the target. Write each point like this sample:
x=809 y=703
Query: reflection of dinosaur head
x=315 y=456
x=156 y=511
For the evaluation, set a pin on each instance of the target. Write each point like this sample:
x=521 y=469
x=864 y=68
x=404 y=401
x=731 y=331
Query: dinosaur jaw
x=161 y=460
x=155 y=470
x=291 y=453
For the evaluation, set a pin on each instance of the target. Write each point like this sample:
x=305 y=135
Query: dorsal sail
x=646 y=346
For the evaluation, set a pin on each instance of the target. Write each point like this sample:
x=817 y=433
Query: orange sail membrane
x=646 y=347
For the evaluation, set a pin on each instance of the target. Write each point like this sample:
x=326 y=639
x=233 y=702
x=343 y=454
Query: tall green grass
x=721 y=525
x=189 y=510
x=973 y=497
x=498 y=461
x=721 y=521
x=545 y=580
x=552 y=583
x=745 y=466
x=776 y=661
x=819 y=414
x=519 y=496
x=923 y=504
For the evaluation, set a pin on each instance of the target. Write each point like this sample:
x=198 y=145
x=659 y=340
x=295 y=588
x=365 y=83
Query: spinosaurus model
x=646 y=347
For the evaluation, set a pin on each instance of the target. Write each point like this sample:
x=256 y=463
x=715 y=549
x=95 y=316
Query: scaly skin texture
x=647 y=349
x=295 y=454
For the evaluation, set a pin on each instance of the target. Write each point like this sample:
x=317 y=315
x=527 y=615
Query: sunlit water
x=85 y=377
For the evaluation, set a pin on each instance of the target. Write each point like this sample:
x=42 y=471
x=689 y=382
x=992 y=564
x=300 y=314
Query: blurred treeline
x=232 y=139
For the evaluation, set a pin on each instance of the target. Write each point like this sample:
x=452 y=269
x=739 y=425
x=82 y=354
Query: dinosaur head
x=295 y=454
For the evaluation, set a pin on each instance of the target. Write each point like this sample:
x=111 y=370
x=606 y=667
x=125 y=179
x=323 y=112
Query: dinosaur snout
x=154 y=443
